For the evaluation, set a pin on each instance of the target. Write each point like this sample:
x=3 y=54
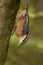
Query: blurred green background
x=30 y=53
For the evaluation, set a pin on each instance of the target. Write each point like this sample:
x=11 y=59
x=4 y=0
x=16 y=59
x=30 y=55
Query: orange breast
x=19 y=27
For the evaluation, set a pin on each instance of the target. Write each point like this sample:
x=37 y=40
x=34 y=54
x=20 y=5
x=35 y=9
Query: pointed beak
x=22 y=40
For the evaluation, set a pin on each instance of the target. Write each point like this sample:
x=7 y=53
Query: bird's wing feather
x=26 y=26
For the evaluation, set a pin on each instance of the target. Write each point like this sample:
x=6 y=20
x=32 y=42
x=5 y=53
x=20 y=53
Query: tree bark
x=8 y=11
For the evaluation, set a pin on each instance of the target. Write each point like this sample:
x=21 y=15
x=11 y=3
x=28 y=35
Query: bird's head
x=23 y=40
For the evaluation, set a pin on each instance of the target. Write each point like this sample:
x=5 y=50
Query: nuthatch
x=21 y=27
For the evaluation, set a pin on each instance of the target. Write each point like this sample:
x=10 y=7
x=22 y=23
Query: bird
x=21 y=27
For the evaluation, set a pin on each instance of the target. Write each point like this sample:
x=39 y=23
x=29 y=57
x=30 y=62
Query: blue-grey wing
x=26 y=27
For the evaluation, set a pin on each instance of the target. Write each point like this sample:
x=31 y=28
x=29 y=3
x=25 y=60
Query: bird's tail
x=27 y=7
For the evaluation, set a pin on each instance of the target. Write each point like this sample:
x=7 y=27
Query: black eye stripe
x=25 y=40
